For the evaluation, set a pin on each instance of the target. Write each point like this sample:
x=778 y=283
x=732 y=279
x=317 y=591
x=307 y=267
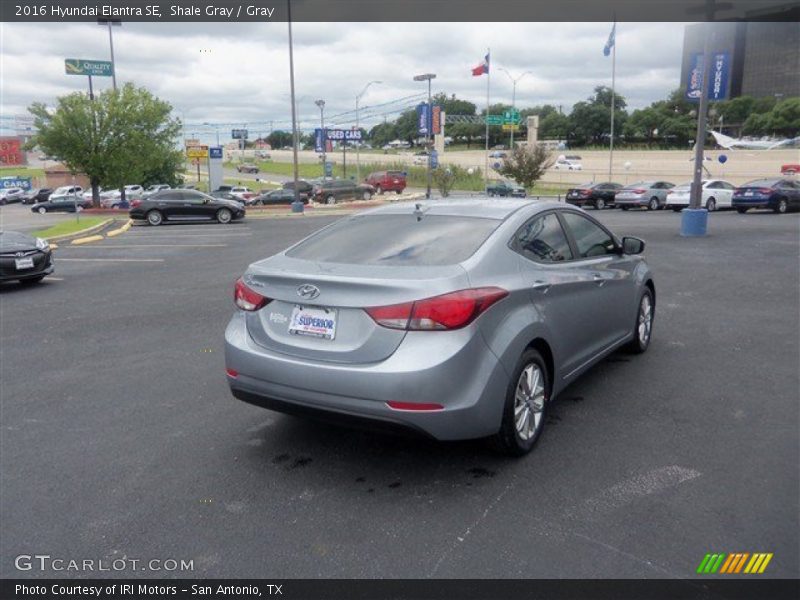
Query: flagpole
x=613 y=97
x=486 y=150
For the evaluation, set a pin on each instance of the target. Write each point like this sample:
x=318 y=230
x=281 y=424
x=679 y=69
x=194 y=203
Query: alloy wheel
x=645 y=320
x=529 y=401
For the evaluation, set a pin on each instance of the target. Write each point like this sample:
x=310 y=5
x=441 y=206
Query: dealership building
x=763 y=57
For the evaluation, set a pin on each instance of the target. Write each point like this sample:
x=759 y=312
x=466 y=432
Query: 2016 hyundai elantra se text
x=456 y=318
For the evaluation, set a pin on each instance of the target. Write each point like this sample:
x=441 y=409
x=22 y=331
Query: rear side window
x=543 y=239
x=590 y=239
x=399 y=240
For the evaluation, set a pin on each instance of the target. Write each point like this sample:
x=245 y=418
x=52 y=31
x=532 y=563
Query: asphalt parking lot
x=120 y=438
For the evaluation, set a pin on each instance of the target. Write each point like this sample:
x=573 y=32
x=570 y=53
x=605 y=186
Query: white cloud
x=227 y=73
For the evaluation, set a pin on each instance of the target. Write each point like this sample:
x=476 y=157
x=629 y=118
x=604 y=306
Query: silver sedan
x=455 y=318
x=651 y=195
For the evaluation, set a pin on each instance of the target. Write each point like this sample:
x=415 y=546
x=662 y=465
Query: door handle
x=541 y=286
x=599 y=280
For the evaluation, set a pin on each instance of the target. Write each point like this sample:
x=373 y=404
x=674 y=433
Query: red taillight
x=232 y=373
x=449 y=311
x=248 y=299
x=764 y=191
x=416 y=406
x=637 y=191
x=135 y=203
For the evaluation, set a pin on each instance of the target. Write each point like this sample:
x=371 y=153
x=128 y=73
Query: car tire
x=653 y=204
x=643 y=325
x=155 y=218
x=599 y=204
x=625 y=207
x=741 y=210
x=398 y=192
x=782 y=207
x=366 y=195
x=491 y=194
x=528 y=404
x=224 y=216
x=379 y=190
x=330 y=199
x=711 y=205
x=676 y=209
x=41 y=210
x=31 y=280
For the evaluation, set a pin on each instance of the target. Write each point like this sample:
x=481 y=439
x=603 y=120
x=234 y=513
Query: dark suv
x=387 y=181
x=341 y=190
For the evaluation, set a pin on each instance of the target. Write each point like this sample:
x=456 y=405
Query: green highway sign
x=494 y=119
x=81 y=66
x=511 y=117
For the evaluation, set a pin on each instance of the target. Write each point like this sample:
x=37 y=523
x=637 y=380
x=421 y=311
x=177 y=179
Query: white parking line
x=182 y=235
x=111 y=259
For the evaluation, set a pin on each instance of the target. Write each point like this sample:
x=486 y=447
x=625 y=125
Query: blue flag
x=611 y=40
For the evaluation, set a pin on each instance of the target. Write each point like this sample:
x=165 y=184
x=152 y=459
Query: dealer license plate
x=24 y=263
x=316 y=322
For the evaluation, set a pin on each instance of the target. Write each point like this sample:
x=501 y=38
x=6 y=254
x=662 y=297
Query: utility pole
x=321 y=104
x=428 y=77
x=358 y=142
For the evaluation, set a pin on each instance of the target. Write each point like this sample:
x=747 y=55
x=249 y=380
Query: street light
x=428 y=77
x=321 y=104
x=297 y=205
x=514 y=81
x=358 y=147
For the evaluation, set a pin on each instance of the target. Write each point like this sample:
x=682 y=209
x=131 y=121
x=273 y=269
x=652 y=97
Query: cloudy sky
x=238 y=73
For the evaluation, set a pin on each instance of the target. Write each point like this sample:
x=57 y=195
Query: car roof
x=465 y=207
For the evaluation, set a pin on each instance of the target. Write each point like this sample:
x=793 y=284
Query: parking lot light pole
x=514 y=81
x=321 y=104
x=358 y=146
x=428 y=77
x=297 y=205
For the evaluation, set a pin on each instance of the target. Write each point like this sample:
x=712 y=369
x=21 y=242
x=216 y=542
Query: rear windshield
x=397 y=240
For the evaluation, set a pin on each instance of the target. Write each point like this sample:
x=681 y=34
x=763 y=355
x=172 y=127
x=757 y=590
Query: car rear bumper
x=637 y=201
x=753 y=203
x=455 y=370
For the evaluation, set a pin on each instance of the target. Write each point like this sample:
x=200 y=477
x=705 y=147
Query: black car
x=186 y=205
x=598 y=195
x=506 y=188
x=781 y=195
x=64 y=203
x=337 y=190
x=24 y=258
x=303 y=186
x=35 y=196
x=282 y=196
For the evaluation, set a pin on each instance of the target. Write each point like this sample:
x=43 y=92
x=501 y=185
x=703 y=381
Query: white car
x=155 y=188
x=134 y=189
x=13 y=194
x=717 y=194
x=68 y=190
x=566 y=164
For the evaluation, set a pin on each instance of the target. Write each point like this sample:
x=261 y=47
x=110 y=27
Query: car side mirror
x=632 y=245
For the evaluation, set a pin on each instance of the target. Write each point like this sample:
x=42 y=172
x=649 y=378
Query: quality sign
x=81 y=66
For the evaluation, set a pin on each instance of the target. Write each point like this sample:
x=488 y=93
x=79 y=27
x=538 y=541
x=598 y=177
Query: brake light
x=765 y=191
x=637 y=191
x=232 y=372
x=449 y=311
x=135 y=203
x=247 y=298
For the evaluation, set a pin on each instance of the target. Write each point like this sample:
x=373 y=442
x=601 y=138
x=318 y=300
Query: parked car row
x=779 y=195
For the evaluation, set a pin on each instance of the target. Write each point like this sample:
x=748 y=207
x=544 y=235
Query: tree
x=590 y=121
x=554 y=125
x=783 y=119
x=526 y=165
x=280 y=139
x=444 y=179
x=122 y=136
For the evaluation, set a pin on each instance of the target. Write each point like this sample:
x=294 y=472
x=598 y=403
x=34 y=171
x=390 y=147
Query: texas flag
x=481 y=68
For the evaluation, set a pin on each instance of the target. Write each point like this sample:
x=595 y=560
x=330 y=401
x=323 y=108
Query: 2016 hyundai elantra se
x=456 y=318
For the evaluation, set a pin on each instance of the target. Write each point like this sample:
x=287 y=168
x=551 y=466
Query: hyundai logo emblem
x=20 y=254
x=308 y=291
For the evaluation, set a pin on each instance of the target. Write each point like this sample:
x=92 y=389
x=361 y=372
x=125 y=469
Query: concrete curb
x=86 y=240
x=121 y=230
x=83 y=232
